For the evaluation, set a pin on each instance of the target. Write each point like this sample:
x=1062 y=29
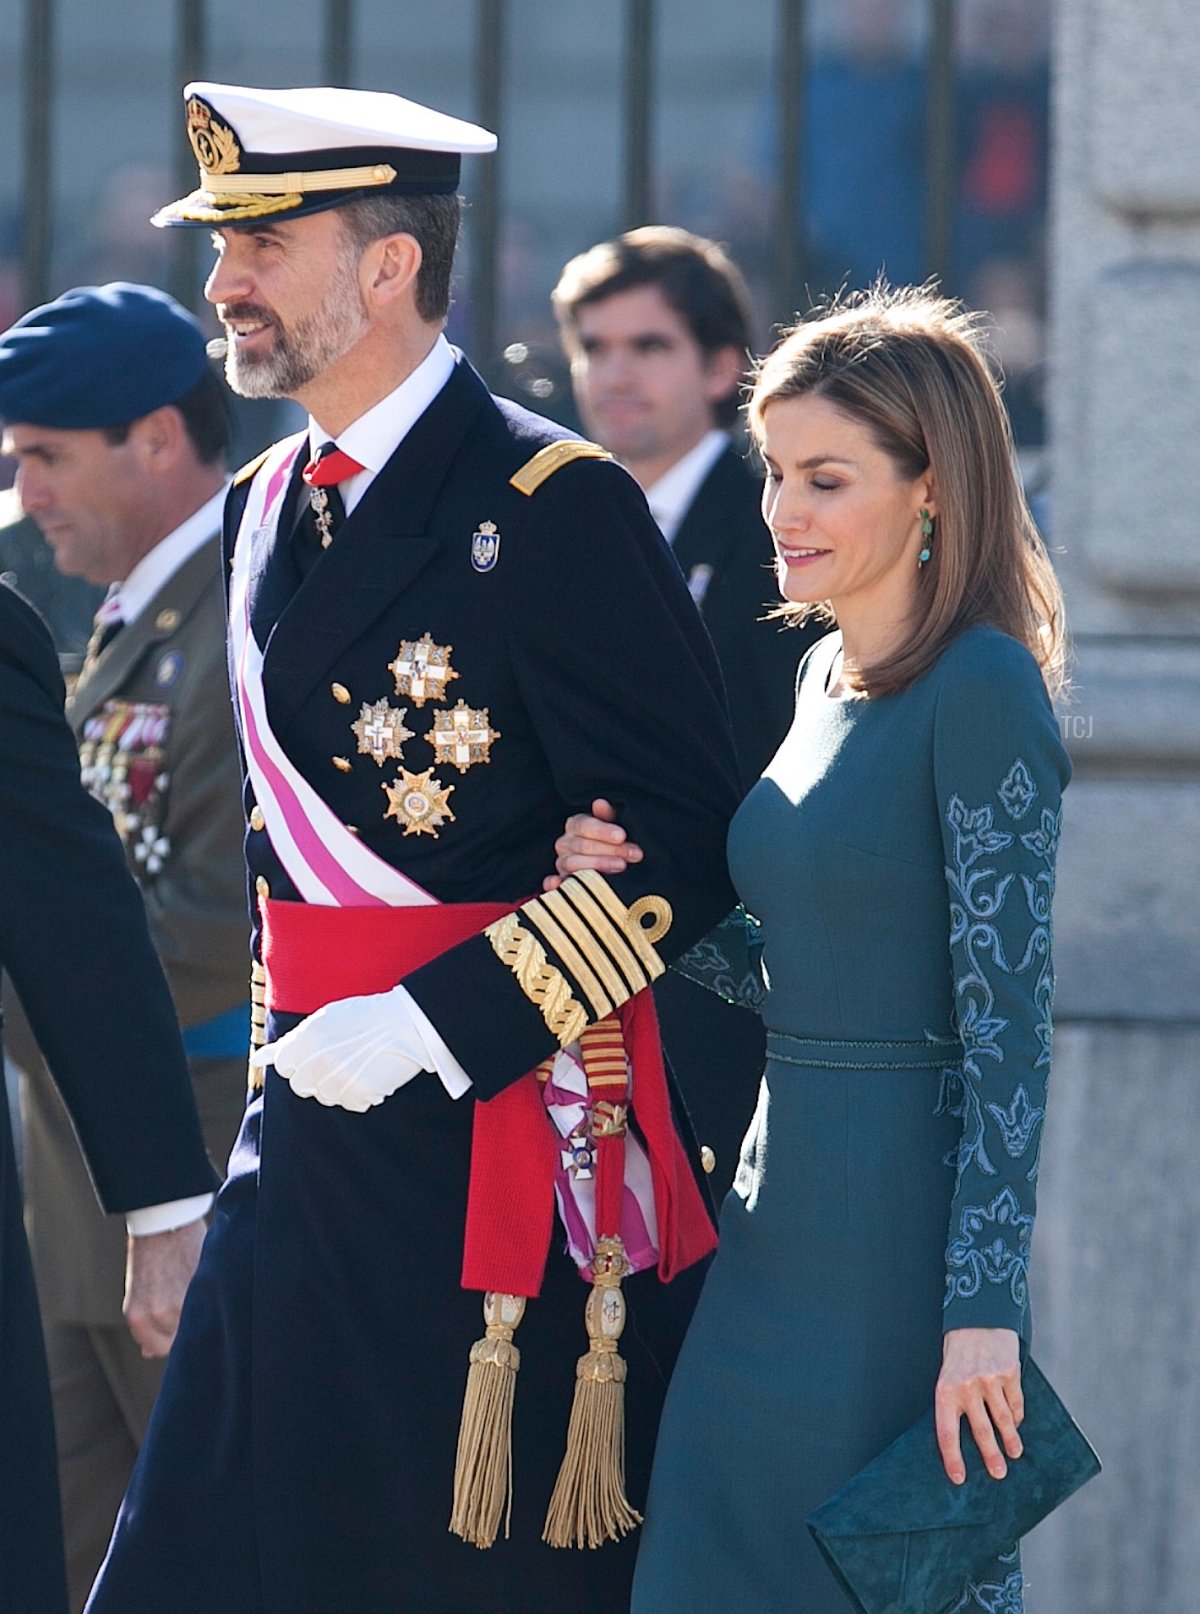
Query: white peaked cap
x=326 y=119
x=285 y=153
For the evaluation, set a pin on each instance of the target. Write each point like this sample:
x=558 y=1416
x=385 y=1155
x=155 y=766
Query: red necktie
x=322 y=474
x=330 y=467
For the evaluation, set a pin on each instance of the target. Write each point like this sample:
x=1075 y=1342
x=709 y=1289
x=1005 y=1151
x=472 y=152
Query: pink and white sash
x=324 y=861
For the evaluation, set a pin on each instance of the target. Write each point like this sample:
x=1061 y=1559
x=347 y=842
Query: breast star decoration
x=380 y=731
x=422 y=669
x=418 y=801
x=462 y=736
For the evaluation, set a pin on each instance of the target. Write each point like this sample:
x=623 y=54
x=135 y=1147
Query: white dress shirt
x=373 y=438
x=670 y=498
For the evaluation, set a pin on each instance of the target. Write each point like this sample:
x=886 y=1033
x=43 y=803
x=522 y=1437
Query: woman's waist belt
x=837 y=1053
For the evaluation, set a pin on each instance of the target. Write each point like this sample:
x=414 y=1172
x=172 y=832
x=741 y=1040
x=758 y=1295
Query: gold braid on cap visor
x=248 y=196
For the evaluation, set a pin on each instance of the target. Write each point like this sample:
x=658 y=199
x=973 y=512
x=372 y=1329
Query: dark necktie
x=326 y=511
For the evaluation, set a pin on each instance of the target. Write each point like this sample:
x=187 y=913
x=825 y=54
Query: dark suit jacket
x=725 y=552
x=172 y=656
x=73 y=939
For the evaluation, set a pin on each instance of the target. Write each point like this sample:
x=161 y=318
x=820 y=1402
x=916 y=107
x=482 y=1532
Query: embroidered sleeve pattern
x=1000 y=850
x=728 y=961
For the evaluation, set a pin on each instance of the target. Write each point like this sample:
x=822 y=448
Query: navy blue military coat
x=73 y=940
x=300 y=1460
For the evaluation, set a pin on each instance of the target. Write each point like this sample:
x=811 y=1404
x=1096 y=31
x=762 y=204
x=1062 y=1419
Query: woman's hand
x=981 y=1381
x=594 y=841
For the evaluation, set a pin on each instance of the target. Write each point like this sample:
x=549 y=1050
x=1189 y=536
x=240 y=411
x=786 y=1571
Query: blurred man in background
x=119 y=430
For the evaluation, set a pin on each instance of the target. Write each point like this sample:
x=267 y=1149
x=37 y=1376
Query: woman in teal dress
x=899 y=852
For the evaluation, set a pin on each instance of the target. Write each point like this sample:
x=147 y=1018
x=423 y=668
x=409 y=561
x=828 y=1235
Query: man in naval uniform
x=450 y=625
x=119 y=429
x=73 y=939
x=656 y=325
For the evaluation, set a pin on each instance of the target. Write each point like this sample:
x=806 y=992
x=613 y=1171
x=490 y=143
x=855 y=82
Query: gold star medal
x=422 y=669
x=462 y=736
x=380 y=731
x=418 y=801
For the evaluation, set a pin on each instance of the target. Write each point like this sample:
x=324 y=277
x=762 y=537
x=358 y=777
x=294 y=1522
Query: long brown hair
x=911 y=367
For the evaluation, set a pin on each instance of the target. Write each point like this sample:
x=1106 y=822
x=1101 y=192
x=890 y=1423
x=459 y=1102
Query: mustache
x=255 y=312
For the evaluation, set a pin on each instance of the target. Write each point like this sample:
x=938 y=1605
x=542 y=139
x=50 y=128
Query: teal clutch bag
x=901 y=1539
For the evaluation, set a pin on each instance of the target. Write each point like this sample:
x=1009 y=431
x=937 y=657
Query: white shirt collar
x=374 y=437
x=671 y=496
x=155 y=570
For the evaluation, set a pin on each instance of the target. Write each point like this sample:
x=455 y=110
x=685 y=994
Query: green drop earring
x=926 y=534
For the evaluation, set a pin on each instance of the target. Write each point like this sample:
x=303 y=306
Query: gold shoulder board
x=248 y=470
x=552 y=458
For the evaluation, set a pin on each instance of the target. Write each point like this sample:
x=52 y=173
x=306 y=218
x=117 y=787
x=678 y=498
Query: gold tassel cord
x=589 y=1505
x=483 y=1466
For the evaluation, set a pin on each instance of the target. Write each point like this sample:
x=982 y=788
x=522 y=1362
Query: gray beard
x=299 y=356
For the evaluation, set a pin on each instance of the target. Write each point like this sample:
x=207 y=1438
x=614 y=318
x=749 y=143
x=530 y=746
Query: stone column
x=1117 y=1250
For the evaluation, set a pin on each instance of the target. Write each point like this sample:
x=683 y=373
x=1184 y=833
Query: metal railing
x=637 y=92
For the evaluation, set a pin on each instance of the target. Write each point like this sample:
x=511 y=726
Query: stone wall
x=1117 y=1284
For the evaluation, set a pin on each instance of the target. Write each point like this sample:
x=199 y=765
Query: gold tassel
x=483 y=1466
x=589 y=1505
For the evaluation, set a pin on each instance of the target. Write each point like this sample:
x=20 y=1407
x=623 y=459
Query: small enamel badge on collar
x=485 y=547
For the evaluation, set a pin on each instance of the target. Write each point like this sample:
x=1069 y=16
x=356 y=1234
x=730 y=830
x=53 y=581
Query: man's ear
x=158 y=438
x=389 y=268
x=725 y=369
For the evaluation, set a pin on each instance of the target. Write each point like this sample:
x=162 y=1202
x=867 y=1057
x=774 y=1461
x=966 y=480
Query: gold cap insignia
x=422 y=669
x=462 y=736
x=216 y=146
x=380 y=731
x=418 y=801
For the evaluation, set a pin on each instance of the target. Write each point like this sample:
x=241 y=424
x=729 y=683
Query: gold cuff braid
x=604 y=949
x=538 y=979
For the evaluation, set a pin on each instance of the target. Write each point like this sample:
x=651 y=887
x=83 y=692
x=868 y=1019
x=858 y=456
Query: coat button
x=708 y=1159
x=167 y=621
x=257 y=821
x=342 y=764
x=261 y=886
x=340 y=694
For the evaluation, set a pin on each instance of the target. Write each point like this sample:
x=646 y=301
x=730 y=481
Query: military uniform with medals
x=88 y=380
x=495 y=635
x=152 y=719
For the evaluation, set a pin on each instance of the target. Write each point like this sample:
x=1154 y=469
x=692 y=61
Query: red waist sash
x=315 y=955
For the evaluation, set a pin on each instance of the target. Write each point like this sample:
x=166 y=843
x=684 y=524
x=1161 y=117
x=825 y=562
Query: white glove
x=356 y=1052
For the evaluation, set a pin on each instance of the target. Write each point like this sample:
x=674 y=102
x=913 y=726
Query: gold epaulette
x=248 y=470
x=552 y=458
